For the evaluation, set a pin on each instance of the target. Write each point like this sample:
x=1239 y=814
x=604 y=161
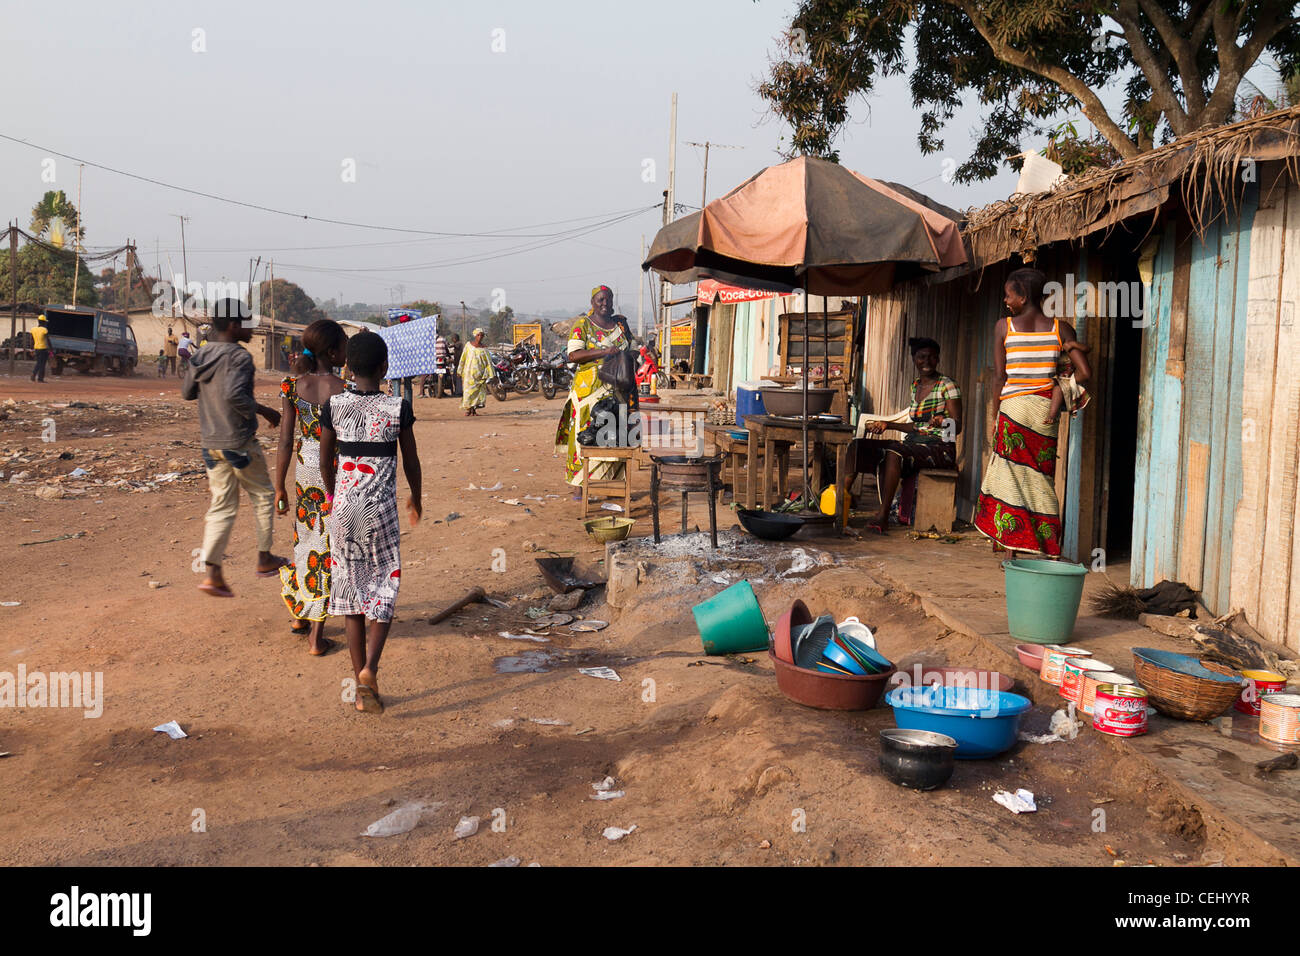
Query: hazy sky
x=446 y=134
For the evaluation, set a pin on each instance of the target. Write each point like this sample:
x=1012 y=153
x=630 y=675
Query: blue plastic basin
x=983 y=722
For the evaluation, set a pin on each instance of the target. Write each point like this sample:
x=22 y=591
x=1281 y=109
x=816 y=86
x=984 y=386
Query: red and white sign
x=712 y=292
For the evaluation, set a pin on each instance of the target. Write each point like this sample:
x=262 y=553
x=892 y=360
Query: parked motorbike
x=555 y=374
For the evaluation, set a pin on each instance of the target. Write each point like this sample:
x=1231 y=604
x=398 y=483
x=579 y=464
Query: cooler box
x=749 y=401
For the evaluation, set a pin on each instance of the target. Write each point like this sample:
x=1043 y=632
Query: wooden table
x=768 y=430
x=734 y=450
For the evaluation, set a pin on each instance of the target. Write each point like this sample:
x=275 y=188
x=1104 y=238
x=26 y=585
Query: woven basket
x=1180 y=695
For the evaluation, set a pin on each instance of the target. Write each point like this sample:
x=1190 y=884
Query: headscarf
x=595 y=292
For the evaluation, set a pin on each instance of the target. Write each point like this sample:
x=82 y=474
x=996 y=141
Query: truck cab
x=90 y=340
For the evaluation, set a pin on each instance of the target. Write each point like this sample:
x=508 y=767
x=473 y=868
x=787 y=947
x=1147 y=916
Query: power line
x=257 y=206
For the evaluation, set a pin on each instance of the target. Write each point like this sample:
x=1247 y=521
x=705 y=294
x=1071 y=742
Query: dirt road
x=717 y=767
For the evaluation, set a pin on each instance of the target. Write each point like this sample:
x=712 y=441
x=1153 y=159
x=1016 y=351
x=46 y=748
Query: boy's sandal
x=368 y=700
x=877 y=527
x=216 y=591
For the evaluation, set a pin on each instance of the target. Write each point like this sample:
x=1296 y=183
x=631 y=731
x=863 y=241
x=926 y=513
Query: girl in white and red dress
x=366 y=428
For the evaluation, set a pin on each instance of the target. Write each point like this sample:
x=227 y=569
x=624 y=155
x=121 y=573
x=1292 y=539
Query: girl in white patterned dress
x=366 y=428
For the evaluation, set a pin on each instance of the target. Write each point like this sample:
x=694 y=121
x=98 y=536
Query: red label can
x=1255 y=684
x=1072 y=676
x=1120 y=709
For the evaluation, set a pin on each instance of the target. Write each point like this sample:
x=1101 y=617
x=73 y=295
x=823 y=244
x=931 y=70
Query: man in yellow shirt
x=171 y=345
x=41 y=347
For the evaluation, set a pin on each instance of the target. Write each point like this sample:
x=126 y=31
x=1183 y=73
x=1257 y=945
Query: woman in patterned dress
x=929 y=434
x=595 y=337
x=306 y=582
x=1018 y=507
x=366 y=428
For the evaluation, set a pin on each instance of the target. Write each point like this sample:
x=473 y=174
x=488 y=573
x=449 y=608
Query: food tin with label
x=1054 y=662
x=1256 y=685
x=1279 y=718
x=1094 y=679
x=1120 y=710
x=1072 y=676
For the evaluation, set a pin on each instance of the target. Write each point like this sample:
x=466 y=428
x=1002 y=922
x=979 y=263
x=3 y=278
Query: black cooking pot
x=917 y=759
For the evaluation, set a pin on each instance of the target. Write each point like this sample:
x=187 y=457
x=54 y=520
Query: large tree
x=291 y=303
x=1029 y=64
x=45 y=277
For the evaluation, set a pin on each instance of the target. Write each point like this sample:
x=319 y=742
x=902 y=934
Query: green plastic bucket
x=731 y=622
x=1042 y=599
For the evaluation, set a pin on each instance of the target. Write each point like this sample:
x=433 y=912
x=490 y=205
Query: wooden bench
x=935 y=499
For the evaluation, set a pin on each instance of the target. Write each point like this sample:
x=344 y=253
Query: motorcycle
x=555 y=374
x=512 y=371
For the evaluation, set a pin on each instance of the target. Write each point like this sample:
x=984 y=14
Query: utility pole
x=670 y=195
x=185 y=268
x=13 y=277
x=464 y=323
x=270 y=339
x=130 y=266
x=640 y=298
x=76 y=238
x=704 y=191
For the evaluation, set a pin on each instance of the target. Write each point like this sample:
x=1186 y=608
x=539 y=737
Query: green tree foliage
x=1029 y=63
x=291 y=303
x=45 y=277
x=55 y=205
x=111 y=287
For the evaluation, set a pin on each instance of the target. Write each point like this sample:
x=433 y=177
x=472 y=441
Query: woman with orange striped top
x=1018 y=507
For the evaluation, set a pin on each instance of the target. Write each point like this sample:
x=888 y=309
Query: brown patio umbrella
x=813 y=225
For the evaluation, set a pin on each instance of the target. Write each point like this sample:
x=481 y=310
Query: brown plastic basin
x=829 y=691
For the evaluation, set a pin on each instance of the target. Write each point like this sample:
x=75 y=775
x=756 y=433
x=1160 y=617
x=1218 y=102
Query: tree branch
x=1184 y=55
x=1091 y=104
x=1163 y=95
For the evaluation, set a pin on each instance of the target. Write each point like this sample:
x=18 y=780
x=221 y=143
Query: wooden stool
x=586 y=453
x=936 y=500
x=686 y=475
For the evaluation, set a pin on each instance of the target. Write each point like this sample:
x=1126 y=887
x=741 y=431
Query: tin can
x=1256 y=685
x=1120 y=710
x=1072 y=676
x=1054 y=662
x=1279 y=718
x=1094 y=679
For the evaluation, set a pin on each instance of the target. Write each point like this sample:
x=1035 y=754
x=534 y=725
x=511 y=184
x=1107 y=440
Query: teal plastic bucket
x=731 y=622
x=1042 y=599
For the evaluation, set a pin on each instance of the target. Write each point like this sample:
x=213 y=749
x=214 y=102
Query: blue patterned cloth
x=412 y=347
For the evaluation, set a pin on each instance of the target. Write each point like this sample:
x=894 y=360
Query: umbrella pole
x=826 y=345
x=807 y=371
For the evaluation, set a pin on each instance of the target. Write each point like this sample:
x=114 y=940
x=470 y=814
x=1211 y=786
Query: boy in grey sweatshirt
x=220 y=377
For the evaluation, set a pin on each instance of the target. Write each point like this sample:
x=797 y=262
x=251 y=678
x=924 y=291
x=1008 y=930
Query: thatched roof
x=1205 y=168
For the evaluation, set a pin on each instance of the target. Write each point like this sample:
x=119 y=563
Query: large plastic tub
x=983 y=722
x=1042 y=599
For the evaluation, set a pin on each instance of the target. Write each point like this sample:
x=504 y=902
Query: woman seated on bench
x=930 y=433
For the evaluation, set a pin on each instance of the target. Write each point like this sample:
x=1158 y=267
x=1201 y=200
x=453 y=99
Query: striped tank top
x=1031 y=359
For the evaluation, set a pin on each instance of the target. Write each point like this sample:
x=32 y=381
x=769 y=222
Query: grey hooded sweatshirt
x=220 y=376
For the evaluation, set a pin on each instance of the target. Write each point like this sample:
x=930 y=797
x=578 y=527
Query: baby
x=1064 y=383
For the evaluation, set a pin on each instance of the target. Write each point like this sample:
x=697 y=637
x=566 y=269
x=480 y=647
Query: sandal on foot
x=216 y=590
x=302 y=627
x=368 y=700
x=326 y=646
x=878 y=527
